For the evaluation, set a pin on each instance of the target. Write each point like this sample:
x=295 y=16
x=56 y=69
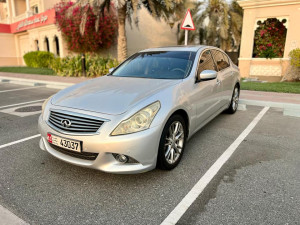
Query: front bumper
x=141 y=146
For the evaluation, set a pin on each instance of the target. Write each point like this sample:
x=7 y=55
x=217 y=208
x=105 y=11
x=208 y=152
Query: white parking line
x=19 y=89
x=188 y=200
x=14 y=110
x=8 y=218
x=22 y=103
x=19 y=141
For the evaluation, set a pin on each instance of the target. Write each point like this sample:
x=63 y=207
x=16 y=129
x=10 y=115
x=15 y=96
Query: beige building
x=29 y=25
x=257 y=13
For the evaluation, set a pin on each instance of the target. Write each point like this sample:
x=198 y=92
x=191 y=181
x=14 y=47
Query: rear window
x=221 y=59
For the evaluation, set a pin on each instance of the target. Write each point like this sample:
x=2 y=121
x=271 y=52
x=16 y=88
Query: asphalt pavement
x=259 y=184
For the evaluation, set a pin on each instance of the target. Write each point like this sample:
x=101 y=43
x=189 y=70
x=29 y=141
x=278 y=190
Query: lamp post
x=83 y=64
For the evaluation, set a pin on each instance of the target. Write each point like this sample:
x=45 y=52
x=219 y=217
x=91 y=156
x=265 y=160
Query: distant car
x=141 y=114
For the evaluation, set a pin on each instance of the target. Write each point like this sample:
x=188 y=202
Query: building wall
x=34 y=2
x=150 y=33
x=9 y=10
x=252 y=13
x=8 y=50
x=26 y=41
x=49 y=4
x=50 y=32
x=24 y=47
x=3 y=11
x=20 y=6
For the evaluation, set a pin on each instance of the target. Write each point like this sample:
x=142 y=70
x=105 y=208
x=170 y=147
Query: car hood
x=109 y=94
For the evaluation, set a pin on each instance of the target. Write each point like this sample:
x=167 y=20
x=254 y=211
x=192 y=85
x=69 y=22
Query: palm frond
x=168 y=10
x=98 y=7
x=218 y=23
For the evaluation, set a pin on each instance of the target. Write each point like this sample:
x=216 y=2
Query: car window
x=157 y=65
x=220 y=59
x=226 y=59
x=206 y=62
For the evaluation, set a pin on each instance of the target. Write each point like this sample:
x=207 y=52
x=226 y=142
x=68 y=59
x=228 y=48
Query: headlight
x=45 y=103
x=139 y=121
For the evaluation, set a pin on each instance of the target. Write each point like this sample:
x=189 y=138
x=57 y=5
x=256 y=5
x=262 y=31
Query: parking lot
x=258 y=184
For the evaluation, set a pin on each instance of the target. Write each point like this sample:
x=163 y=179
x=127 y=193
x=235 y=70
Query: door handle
x=218 y=82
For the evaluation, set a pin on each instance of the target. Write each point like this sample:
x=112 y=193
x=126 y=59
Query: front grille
x=79 y=123
x=80 y=155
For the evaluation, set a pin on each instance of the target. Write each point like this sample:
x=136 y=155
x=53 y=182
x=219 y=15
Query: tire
x=234 y=100
x=171 y=145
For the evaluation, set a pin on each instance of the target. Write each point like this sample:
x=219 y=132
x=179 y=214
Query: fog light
x=122 y=158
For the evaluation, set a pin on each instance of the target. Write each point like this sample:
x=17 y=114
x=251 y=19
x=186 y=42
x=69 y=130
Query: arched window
x=56 y=44
x=269 y=38
x=47 y=48
x=36 y=42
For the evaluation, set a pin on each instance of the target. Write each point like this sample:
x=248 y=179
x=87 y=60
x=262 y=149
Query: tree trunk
x=122 y=40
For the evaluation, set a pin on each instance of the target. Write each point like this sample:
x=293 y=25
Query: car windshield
x=157 y=65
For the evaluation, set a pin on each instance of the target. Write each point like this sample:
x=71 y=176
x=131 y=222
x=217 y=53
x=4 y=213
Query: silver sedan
x=142 y=113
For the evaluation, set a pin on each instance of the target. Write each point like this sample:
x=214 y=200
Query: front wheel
x=234 y=100
x=172 y=143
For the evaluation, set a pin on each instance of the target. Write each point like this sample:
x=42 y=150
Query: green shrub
x=72 y=66
x=99 y=66
x=293 y=71
x=38 y=59
x=295 y=57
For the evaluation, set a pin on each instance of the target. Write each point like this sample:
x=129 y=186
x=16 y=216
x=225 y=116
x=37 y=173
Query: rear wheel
x=172 y=143
x=234 y=100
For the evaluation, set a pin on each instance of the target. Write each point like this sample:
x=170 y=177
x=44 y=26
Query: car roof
x=191 y=48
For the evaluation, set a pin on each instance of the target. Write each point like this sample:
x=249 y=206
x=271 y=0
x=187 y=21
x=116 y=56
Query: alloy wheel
x=174 y=142
x=235 y=99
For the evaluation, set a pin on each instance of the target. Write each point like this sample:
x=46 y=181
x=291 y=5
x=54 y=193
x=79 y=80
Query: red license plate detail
x=49 y=138
x=65 y=143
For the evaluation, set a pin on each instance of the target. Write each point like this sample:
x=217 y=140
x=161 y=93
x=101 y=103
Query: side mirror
x=207 y=75
x=111 y=69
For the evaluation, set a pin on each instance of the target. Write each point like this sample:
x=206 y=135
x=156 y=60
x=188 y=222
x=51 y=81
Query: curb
x=281 y=105
x=289 y=109
x=8 y=218
x=31 y=82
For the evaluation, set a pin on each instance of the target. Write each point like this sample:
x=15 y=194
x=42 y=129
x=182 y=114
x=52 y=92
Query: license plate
x=65 y=143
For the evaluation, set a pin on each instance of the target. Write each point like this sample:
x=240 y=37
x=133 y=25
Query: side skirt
x=208 y=120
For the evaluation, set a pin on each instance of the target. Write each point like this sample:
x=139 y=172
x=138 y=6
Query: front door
x=208 y=92
x=24 y=46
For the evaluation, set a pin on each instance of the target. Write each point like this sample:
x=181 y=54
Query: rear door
x=225 y=75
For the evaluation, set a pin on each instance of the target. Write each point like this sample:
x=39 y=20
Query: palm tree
x=218 y=23
x=236 y=21
x=127 y=9
x=198 y=17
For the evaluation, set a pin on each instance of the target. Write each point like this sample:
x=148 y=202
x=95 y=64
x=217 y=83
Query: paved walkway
x=270 y=96
x=44 y=77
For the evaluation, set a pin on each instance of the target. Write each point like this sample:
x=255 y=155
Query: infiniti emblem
x=66 y=123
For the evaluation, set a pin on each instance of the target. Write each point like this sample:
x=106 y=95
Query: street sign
x=187 y=24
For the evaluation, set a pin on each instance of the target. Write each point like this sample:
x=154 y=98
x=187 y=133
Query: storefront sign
x=26 y=22
x=42 y=19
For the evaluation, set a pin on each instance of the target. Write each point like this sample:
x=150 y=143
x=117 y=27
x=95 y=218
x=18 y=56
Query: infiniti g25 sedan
x=142 y=113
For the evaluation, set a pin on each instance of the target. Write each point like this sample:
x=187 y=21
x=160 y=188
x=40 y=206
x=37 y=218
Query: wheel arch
x=238 y=84
x=185 y=116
